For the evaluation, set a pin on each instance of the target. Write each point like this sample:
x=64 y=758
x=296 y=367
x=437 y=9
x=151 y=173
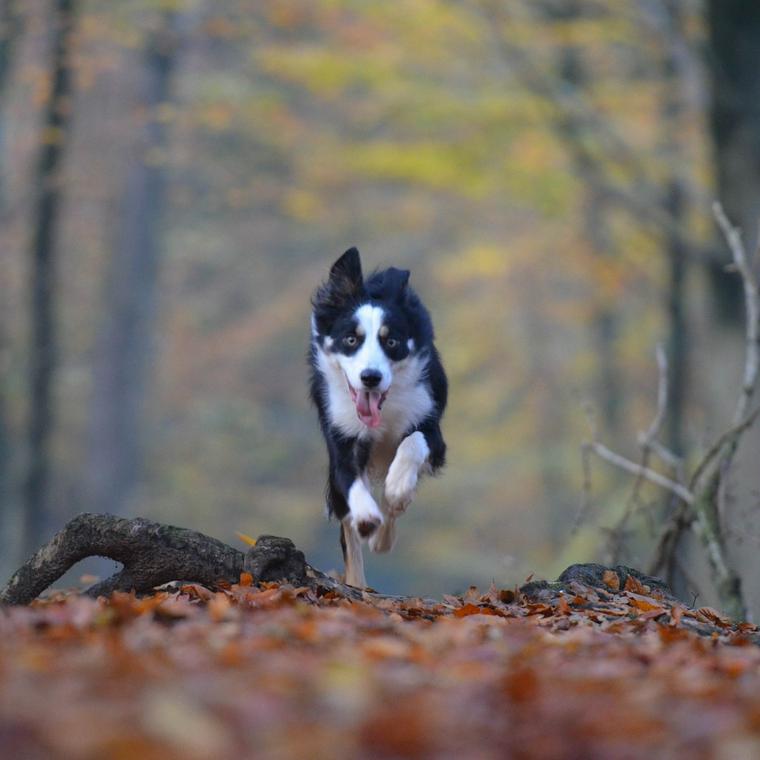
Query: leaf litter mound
x=274 y=670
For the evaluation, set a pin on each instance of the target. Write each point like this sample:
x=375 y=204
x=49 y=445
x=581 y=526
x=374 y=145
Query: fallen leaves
x=270 y=670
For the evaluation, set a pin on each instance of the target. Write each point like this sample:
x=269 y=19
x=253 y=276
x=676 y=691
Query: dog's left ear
x=396 y=282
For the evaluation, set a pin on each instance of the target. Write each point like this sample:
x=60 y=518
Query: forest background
x=176 y=178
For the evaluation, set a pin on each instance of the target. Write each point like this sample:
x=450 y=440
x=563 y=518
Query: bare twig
x=752 y=307
x=668 y=458
x=587 y=502
x=647 y=473
x=727 y=439
x=646 y=439
x=649 y=445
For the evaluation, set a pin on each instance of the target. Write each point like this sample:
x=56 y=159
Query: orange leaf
x=471 y=609
x=246 y=579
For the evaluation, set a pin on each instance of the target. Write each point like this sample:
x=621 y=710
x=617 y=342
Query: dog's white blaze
x=370 y=354
x=401 y=481
x=363 y=507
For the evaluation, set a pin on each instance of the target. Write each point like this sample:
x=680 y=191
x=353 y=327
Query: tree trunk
x=124 y=347
x=10 y=27
x=43 y=252
x=734 y=63
x=675 y=199
x=9 y=32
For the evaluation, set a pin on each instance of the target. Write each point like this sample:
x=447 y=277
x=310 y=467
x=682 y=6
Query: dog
x=380 y=391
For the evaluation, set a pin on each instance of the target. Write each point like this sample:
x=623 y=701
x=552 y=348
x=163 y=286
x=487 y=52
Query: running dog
x=380 y=392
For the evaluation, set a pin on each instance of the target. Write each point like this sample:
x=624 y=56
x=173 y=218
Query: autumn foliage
x=271 y=670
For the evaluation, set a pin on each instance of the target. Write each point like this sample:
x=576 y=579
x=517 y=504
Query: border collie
x=380 y=391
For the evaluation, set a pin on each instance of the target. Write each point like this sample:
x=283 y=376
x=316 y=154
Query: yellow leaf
x=245 y=538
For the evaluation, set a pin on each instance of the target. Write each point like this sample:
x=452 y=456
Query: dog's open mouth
x=368 y=405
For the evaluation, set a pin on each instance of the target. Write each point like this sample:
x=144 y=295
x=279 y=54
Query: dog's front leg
x=348 y=490
x=400 y=484
x=363 y=520
x=350 y=499
x=401 y=481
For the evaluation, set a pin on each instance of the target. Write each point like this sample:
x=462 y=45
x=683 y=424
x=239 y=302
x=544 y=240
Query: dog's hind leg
x=352 y=554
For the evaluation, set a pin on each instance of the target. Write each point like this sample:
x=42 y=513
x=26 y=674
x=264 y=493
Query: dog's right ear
x=346 y=273
x=344 y=286
x=348 y=267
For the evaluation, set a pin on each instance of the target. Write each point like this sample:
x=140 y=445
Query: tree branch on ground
x=153 y=554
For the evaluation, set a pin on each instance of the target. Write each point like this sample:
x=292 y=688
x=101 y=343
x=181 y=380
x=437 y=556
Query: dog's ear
x=396 y=282
x=346 y=273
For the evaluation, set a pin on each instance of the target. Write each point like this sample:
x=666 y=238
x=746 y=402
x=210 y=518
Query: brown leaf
x=521 y=685
x=636 y=586
x=644 y=605
x=611 y=580
x=713 y=616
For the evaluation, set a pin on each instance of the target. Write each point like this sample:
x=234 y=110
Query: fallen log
x=153 y=554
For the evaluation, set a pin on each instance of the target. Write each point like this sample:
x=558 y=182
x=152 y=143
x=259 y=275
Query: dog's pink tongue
x=368 y=407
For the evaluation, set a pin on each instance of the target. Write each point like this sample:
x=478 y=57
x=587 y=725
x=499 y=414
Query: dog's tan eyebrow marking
x=359 y=330
x=383 y=331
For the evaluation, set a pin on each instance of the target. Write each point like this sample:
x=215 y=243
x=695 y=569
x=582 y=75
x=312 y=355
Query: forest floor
x=272 y=671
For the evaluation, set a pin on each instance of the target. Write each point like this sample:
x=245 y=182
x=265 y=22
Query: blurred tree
x=10 y=29
x=123 y=350
x=675 y=57
x=733 y=58
x=573 y=76
x=47 y=202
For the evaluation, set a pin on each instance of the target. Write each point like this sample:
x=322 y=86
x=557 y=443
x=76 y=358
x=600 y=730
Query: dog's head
x=363 y=328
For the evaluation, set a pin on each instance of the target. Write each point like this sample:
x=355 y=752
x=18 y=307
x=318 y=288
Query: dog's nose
x=371 y=378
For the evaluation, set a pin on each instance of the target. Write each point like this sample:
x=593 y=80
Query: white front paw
x=365 y=514
x=400 y=485
x=401 y=481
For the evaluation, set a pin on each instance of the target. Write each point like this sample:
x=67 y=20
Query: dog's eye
x=391 y=343
x=350 y=340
